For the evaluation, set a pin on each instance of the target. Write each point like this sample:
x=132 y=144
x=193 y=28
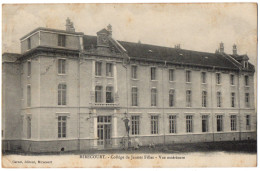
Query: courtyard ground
x=227 y=146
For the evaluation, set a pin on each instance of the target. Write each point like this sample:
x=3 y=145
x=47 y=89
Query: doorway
x=104 y=131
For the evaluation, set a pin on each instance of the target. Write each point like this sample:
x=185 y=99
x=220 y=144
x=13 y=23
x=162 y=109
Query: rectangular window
x=233 y=121
x=29 y=127
x=204 y=99
x=28 y=95
x=62 y=126
x=109 y=70
x=219 y=123
x=109 y=95
x=98 y=68
x=218 y=99
x=62 y=92
x=232 y=99
x=61 y=66
x=189 y=123
x=205 y=123
x=232 y=79
x=29 y=43
x=188 y=98
x=153 y=97
x=245 y=64
x=154 y=124
x=247 y=101
x=188 y=76
x=61 y=40
x=218 y=78
x=171 y=98
x=172 y=124
x=135 y=121
x=203 y=77
x=98 y=94
x=29 y=68
x=134 y=96
x=134 y=72
x=171 y=75
x=153 y=73
x=246 y=80
x=248 y=125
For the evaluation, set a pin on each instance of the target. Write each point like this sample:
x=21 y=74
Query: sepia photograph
x=129 y=85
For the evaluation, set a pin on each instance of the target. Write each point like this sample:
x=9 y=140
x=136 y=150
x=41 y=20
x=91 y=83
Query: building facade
x=69 y=91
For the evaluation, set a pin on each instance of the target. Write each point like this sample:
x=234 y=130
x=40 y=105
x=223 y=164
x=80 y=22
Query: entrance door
x=104 y=131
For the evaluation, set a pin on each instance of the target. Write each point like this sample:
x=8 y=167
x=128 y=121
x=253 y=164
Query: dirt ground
x=227 y=146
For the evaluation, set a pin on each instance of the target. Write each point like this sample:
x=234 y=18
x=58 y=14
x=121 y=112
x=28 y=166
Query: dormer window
x=245 y=64
x=61 y=40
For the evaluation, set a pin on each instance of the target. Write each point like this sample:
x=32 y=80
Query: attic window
x=245 y=64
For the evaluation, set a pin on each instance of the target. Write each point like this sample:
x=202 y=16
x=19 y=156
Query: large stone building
x=70 y=91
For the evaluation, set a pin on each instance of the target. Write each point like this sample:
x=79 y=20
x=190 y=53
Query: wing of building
x=70 y=91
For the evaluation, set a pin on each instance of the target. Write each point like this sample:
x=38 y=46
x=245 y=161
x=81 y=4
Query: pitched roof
x=172 y=55
x=103 y=31
x=175 y=55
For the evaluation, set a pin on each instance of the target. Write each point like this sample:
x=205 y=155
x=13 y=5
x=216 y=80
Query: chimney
x=69 y=25
x=221 y=47
x=234 y=49
x=178 y=46
x=109 y=29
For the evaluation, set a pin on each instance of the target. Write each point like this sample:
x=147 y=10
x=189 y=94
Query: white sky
x=199 y=27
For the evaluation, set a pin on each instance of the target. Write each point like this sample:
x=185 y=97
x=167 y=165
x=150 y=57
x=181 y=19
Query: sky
x=199 y=27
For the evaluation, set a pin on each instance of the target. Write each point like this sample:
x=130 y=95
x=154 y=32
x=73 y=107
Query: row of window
x=154 y=125
x=171 y=74
x=172 y=120
x=62 y=99
x=188 y=98
x=109 y=72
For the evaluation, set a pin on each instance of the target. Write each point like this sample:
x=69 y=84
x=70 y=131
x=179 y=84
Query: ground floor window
x=29 y=127
x=205 y=123
x=172 y=123
x=219 y=123
x=154 y=124
x=135 y=121
x=233 y=121
x=62 y=126
x=248 y=126
x=189 y=123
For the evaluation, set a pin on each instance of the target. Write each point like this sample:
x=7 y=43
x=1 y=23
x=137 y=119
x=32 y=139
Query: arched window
x=134 y=96
x=171 y=98
x=204 y=99
x=218 y=99
x=188 y=98
x=62 y=88
x=153 y=97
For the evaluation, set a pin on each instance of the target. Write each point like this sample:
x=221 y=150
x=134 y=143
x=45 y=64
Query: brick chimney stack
x=69 y=25
x=221 y=47
x=109 y=29
x=234 y=49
